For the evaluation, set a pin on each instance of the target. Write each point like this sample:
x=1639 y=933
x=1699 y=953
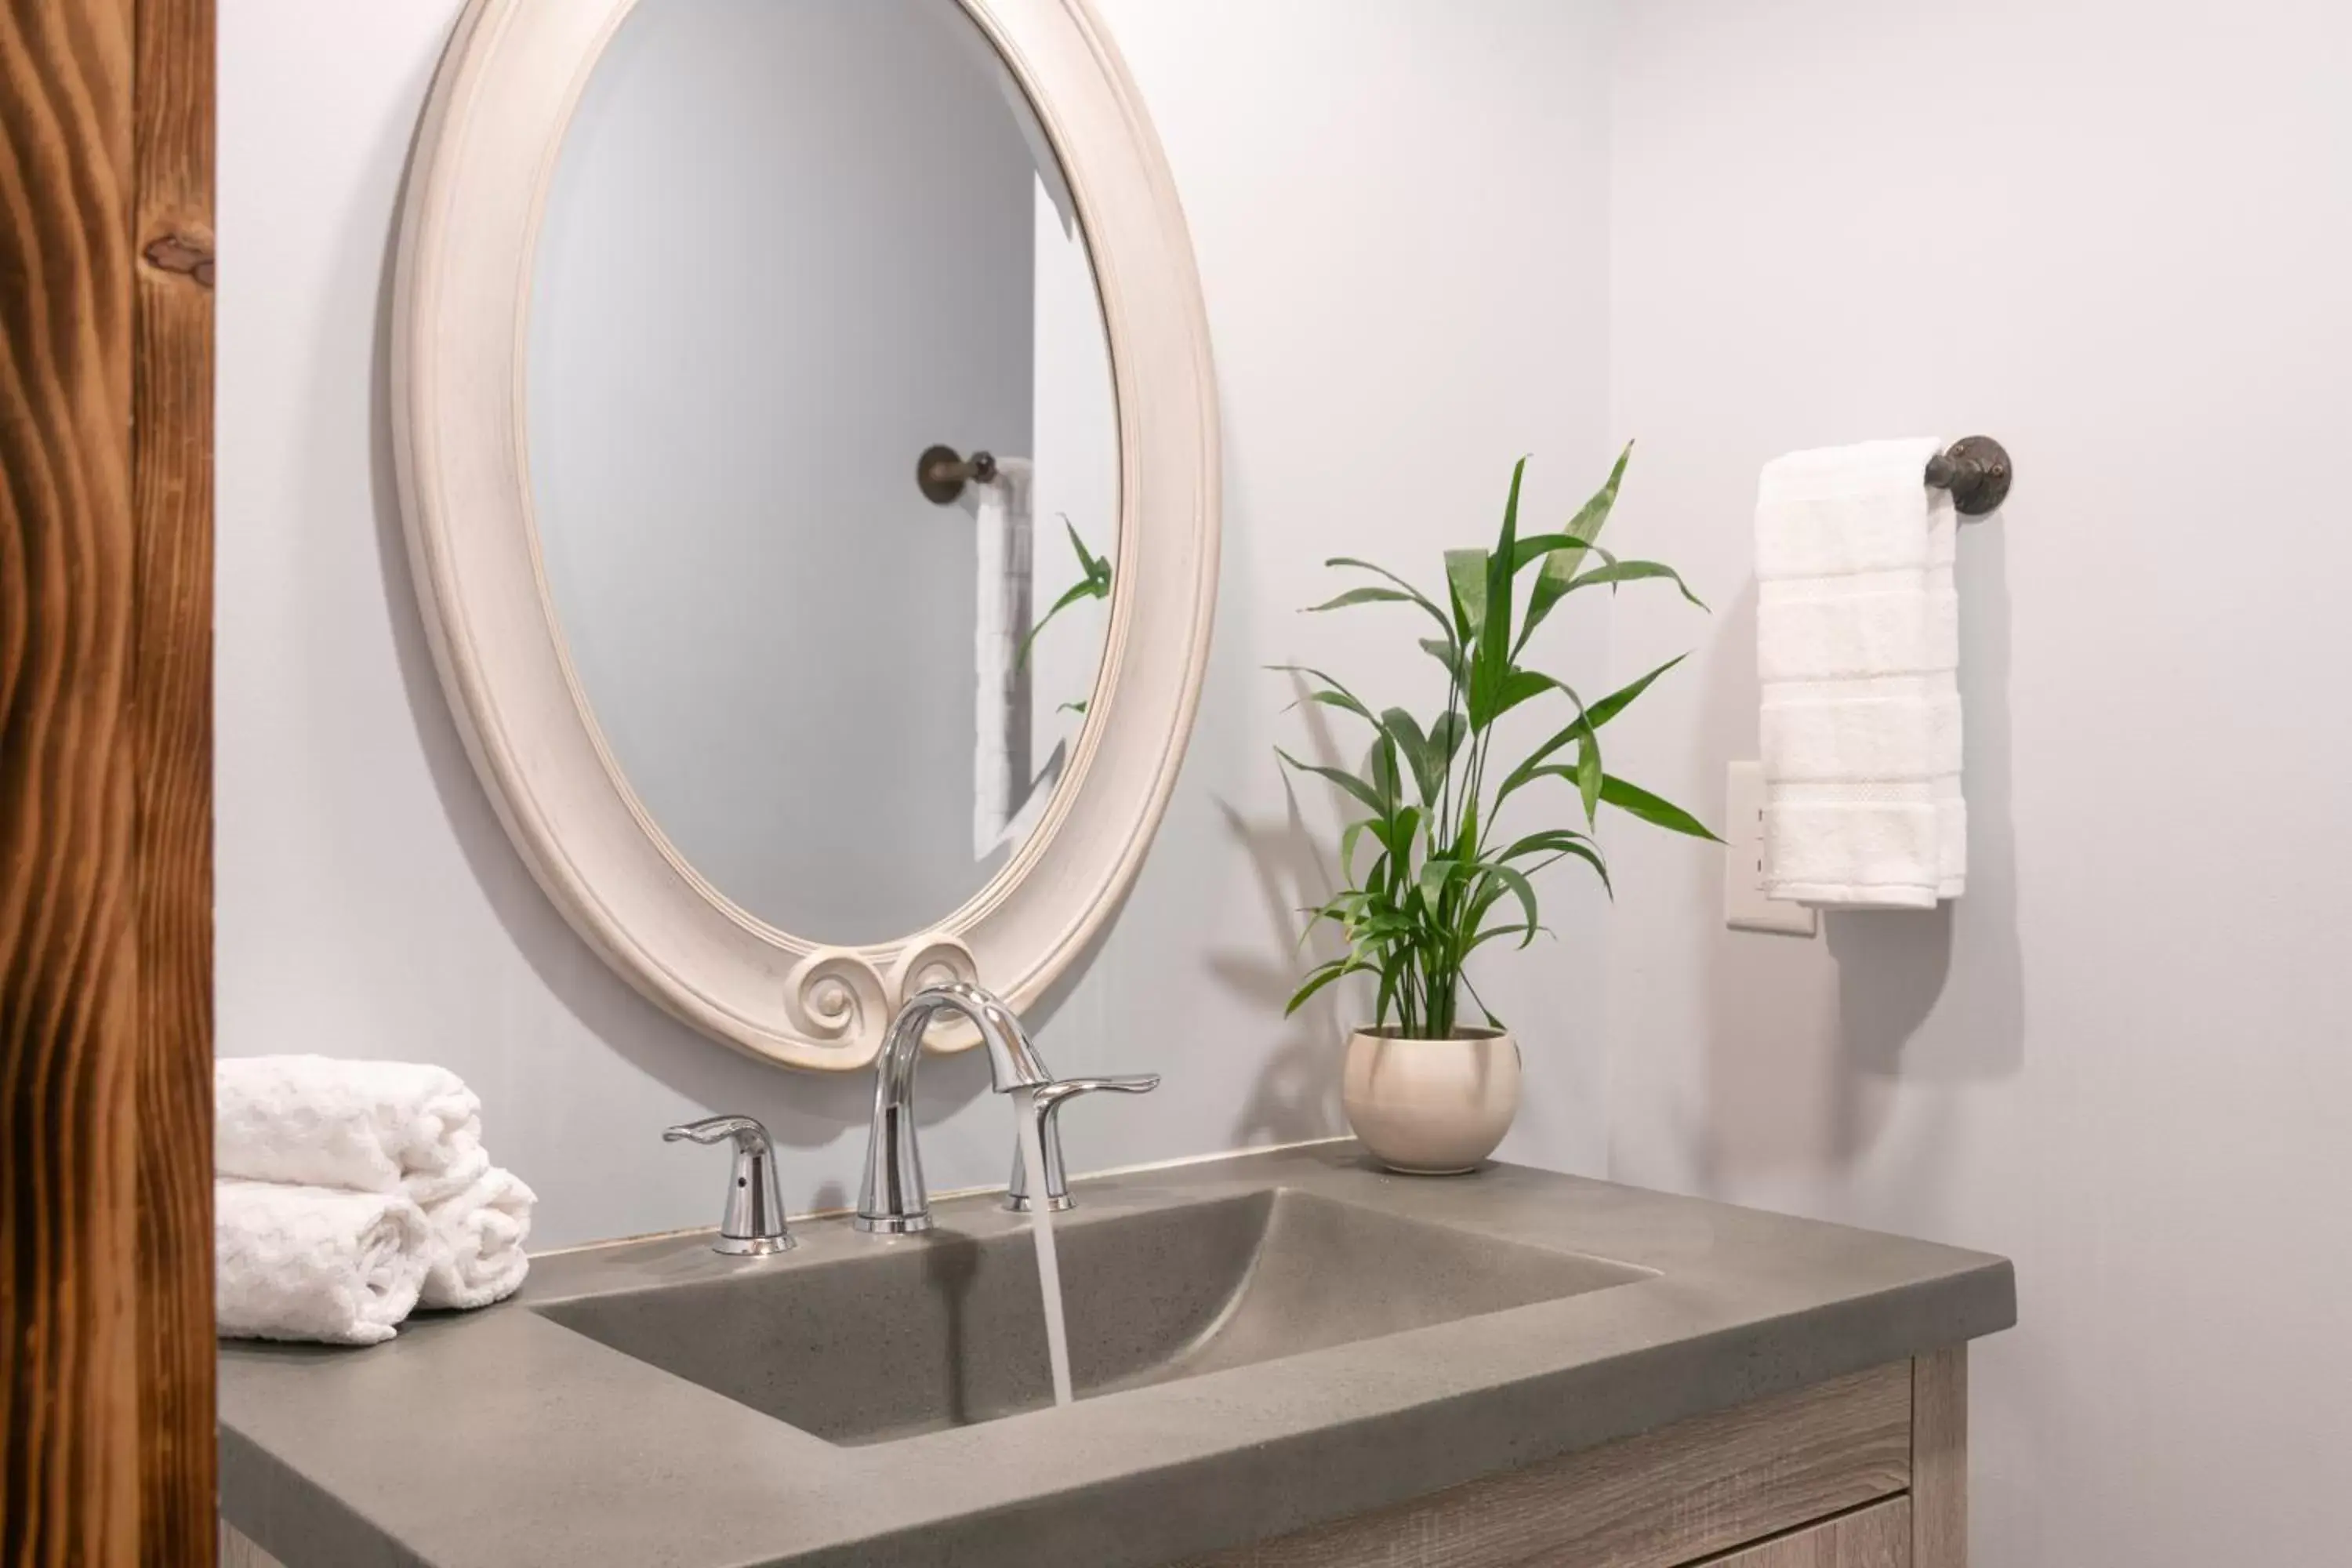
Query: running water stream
x=1041 y=1226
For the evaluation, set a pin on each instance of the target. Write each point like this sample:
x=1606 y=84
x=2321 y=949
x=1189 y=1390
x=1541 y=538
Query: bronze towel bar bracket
x=941 y=475
x=1975 y=469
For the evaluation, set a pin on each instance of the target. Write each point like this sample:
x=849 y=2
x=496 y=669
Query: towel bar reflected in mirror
x=941 y=475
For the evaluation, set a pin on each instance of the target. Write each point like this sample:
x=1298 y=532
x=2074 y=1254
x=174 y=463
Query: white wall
x=2116 y=236
x=1399 y=229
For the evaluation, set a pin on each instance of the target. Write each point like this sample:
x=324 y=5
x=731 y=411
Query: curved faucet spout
x=894 y=1200
x=1012 y=1059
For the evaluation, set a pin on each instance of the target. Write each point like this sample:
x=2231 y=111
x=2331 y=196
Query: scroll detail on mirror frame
x=836 y=996
x=499 y=111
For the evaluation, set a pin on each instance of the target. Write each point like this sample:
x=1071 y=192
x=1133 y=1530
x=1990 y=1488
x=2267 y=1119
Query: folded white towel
x=375 y=1127
x=313 y=1263
x=1001 y=717
x=475 y=1253
x=1857 y=646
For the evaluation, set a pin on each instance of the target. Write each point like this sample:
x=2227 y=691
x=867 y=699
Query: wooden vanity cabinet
x=1866 y=1472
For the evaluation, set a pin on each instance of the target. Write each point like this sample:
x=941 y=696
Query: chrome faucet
x=894 y=1200
x=753 y=1223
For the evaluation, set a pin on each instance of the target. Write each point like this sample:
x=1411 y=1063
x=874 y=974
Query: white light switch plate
x=1745 y=906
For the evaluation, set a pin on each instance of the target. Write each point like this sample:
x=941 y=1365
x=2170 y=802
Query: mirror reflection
x=792 y=252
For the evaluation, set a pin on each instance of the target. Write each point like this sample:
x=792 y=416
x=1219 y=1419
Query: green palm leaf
x=1428 y=897
x=1094 y=582
x=1664 y=814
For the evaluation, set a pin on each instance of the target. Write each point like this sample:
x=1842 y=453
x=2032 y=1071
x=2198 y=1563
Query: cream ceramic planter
x=1431 y=1108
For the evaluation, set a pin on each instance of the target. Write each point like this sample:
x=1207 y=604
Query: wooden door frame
x=107 y=1452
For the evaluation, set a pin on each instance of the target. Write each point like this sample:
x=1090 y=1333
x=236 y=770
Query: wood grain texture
x=1878 y=1536
x=1939 y=1460
x=172 y=459
x=104 y=781
x=68 y=1020
x=1664 y=1499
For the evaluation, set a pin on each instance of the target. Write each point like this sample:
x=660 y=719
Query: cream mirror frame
x=505 y=94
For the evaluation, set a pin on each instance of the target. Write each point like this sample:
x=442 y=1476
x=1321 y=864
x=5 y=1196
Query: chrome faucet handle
x=1045 y=1104
x=754 y=1226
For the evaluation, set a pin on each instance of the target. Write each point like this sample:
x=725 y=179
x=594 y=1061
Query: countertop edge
x=293 y=1517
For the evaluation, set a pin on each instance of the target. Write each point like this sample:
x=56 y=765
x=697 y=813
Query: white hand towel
x=1001 y=718
x=475 y=1253
x=313 y=1263
x=375 y=1127
x=1857 y=647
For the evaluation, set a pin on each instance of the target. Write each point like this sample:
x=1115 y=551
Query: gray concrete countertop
x=501 y=1439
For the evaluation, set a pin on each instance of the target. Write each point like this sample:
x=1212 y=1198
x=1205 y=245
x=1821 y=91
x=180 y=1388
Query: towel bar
x=941 y=475
x=1975 y=469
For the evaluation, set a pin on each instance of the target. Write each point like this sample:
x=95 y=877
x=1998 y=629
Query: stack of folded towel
x=347 y=1194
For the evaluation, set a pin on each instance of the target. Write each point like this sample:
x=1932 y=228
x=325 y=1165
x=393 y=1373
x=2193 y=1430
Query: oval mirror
x=789 y=247
x=808 y=456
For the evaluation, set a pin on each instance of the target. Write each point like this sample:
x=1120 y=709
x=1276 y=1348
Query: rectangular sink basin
x=948 y=1331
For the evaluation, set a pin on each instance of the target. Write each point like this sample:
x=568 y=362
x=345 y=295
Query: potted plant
x=1426 y=1090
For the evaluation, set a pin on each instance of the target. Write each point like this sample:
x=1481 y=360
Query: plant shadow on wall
x=1927 y=996
x=1296 y=1097
x=1453 y=831
x=799 y=1109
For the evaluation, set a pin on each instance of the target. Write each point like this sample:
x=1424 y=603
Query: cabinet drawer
x=1676 y=1496
x=1878 y=1536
